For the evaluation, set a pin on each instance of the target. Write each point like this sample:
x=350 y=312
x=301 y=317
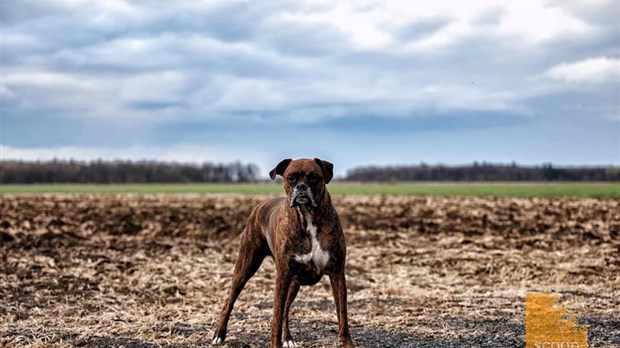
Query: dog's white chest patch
x=317 y=255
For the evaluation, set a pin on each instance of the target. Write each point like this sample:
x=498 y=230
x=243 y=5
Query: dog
x=302 y=233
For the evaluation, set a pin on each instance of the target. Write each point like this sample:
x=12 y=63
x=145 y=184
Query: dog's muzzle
x=302 y=196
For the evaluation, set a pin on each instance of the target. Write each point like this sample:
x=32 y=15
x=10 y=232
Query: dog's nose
x=301 y=186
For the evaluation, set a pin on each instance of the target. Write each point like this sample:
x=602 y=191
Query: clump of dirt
x=153 y=270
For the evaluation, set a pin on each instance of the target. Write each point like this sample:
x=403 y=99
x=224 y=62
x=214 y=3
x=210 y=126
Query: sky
x=352 y=82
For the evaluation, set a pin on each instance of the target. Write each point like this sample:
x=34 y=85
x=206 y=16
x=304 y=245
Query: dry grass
x=153 y=270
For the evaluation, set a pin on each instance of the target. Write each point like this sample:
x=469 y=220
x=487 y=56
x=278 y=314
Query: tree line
x=105 y=172
x=483 y=172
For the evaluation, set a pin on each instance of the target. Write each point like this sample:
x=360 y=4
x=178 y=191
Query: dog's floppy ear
x=280 y=168
x=328 y=169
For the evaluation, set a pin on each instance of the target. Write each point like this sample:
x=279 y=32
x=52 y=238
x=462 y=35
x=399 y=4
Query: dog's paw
x=217 y=341
x=289 y=344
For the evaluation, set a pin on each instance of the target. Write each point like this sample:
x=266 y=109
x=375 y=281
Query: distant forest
x=104 y=172
x=482 y=172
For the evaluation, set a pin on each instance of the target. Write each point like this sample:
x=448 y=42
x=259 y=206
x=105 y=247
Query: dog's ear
x=328 y=169
x=280 y=168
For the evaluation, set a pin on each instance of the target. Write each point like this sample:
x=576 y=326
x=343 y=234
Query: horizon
x=355 y=83
x=338 y=175
x=45 y=156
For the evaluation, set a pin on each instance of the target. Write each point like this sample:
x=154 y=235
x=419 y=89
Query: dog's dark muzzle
x=302 y=196
x=302 y=200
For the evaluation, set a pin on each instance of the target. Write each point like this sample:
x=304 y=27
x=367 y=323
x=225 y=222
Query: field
x=501 y=189
x=152 y=270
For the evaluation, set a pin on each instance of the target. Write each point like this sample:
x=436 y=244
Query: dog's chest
x=317 y=256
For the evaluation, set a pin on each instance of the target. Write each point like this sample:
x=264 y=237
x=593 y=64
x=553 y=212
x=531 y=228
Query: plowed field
x=153 y=270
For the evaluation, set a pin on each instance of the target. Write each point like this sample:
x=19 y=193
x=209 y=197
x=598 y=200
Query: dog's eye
x=313 y=178
x=291 y=178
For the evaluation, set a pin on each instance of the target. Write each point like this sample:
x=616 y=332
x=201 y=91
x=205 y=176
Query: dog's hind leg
x=339 y=288
x=283 y=283
x=287 y=338
x=252 y=251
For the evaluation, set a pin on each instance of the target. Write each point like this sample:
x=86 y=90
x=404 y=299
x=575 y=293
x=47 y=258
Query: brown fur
x=278 y=229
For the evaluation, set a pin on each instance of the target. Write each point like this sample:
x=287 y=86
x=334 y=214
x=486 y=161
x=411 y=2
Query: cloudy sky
x=354 y=82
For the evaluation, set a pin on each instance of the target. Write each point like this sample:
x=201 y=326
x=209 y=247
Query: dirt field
x=153 y=271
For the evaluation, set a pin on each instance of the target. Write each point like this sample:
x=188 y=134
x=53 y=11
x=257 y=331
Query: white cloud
x=537 y=22
x=370 y=25
x=46 y=79
x=593 y=70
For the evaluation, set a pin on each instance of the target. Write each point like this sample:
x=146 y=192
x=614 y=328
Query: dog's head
x=304 y=179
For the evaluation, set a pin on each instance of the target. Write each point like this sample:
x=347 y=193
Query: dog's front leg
x=283 y=282
x=339 y=288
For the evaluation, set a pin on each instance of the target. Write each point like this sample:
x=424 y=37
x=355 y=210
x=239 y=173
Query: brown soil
x=153 y=270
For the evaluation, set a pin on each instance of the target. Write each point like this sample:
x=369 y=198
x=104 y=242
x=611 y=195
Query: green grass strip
x=504 y=189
